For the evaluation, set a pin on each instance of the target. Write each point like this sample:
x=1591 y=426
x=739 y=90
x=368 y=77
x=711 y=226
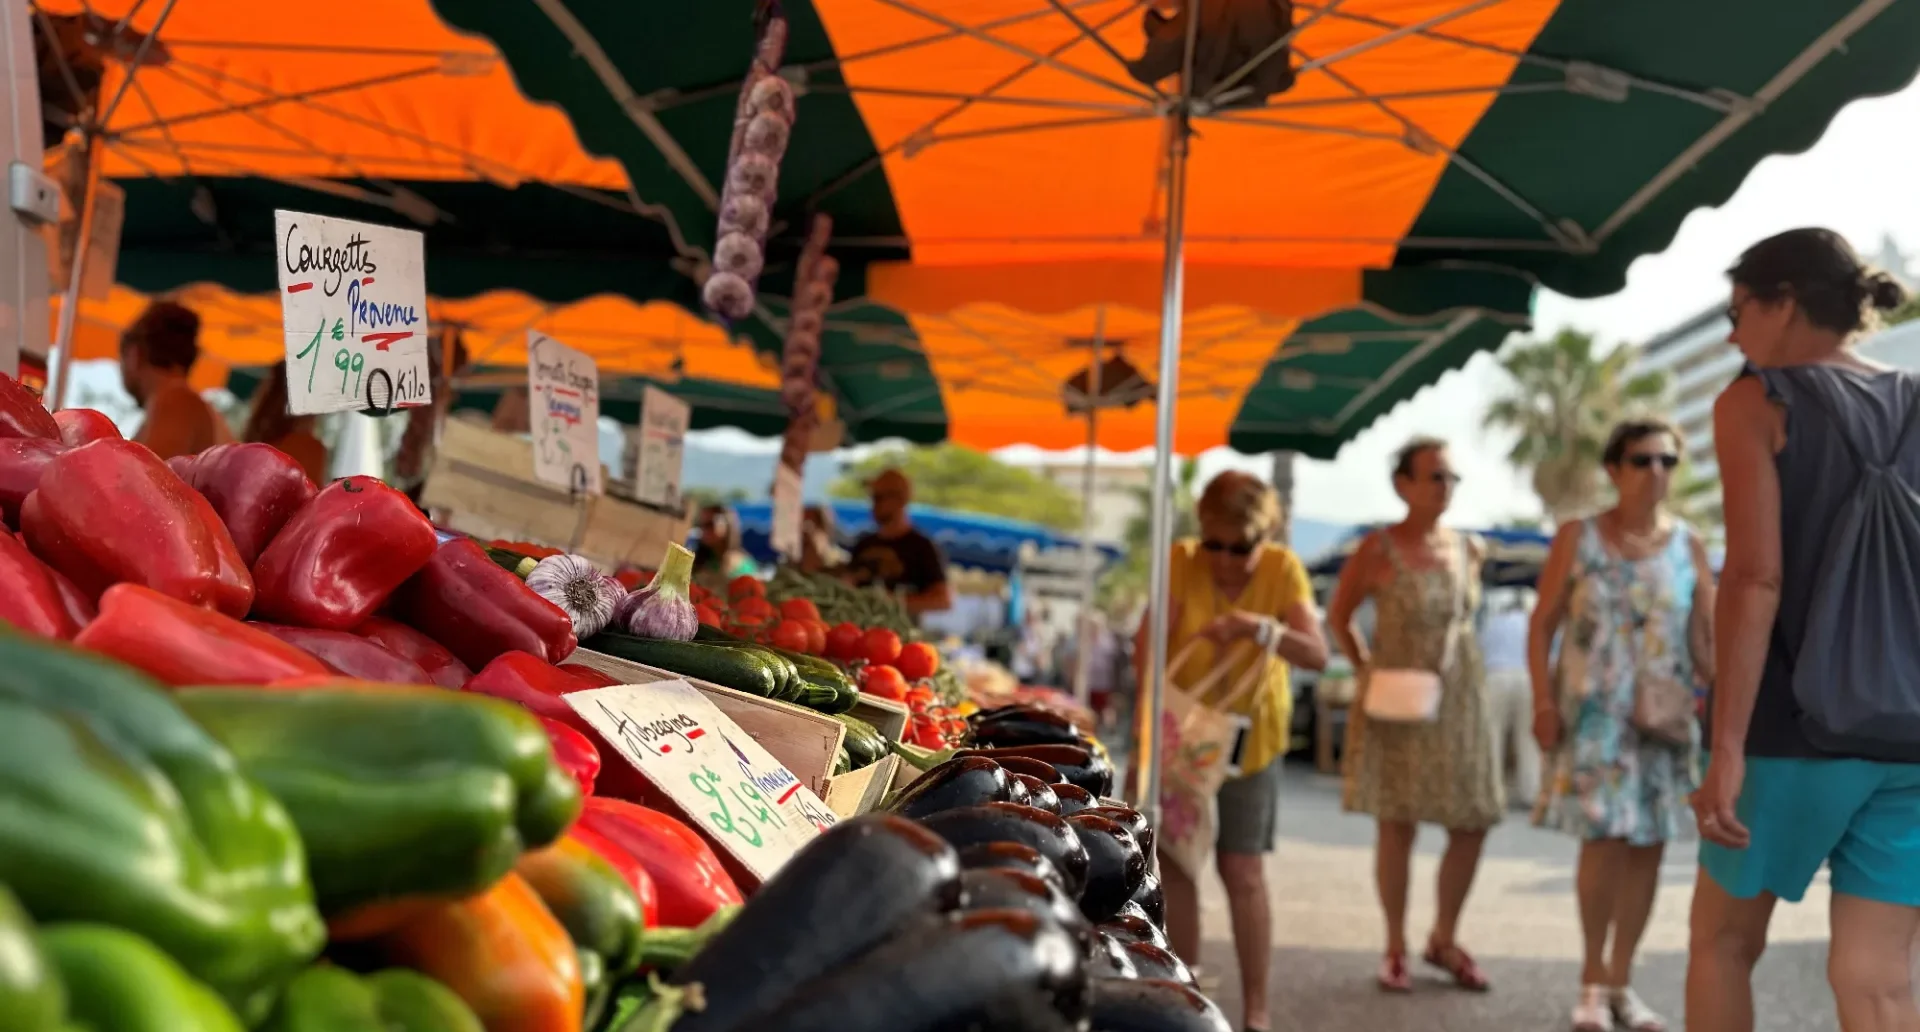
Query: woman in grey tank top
x=1795 y=435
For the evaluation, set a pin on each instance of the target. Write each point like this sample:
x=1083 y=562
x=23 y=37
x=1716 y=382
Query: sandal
x=1634 y=1015
x=1394 y=977
x=1594 y=1012
x=1459 y=965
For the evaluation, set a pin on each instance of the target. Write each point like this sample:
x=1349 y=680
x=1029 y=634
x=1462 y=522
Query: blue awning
x=1514 y=557
x=970 y=540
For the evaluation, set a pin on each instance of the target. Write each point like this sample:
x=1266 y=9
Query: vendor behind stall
x=896 y=554
x=156 y=354
x=718 y=557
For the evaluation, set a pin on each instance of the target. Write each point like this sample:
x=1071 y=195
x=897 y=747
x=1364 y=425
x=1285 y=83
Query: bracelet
x=1268 y=631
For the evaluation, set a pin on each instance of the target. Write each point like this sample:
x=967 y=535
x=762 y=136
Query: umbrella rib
x=173 y=69
x=1398 y=33
x=146 y=101
x=1011 y=47
x=1405 y=363
x=327 y=48
x=218 y=147
x=1059 y=104
x=1041 y=376
x=1034 y=127
x=1092 y=35
x=1502 y=89
x=1274 y=48
x=590 y=51
x=1306 y=127
x=139 y=59
x=1436 y=243
x=270 y=97
x=1567 y=234
x=74 y=92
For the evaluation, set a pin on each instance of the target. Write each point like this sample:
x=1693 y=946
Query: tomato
x=844 y=641
x=816 y=637
x=918 y=660
x=799 y=609
x=709 y=616
x=746 y=586
x=753 y=610
x=632 y=579
x=790 y=635
x=920 y=700
x=881 y=646
x=926 y=734
x=884 y=681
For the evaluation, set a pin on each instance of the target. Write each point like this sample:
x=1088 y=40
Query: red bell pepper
x=22 y=460
x=533 y=683
x=182 y=466
x=111 y=511
x=465 y=601
x=256 y=489
x=442 y=667
x=29 y=599
x=183 y=644
x=574 y=753
x=592 y=677
x=78 y=606
x=352 y=655
x=629 y=868
x=691 y=882
x=22 y=414
x=338 y=558
x=80 y=426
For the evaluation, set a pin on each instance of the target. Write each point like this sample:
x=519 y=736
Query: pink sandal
x=1394 y=977
x=1458 y=964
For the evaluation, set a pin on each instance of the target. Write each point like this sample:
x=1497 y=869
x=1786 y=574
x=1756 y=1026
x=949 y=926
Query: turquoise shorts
x=1860 y=818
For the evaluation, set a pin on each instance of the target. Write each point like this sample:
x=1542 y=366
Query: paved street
x=1520 y=923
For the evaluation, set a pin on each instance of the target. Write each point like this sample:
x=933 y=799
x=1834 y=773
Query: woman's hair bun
x=1884 y=292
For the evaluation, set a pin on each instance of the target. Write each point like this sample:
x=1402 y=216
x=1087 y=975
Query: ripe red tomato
x=844 y=641
x=710 y=616
x=746 y=586
x=790 y=635
x=816 y=637
x=753 y=610
x=920 y=700
x=885 y=682
x=881 y=646
x=918 y=660
x=925 y=734
x=799 y=609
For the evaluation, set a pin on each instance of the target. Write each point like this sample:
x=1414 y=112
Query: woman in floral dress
x=1424 y=581
x=1630 y=594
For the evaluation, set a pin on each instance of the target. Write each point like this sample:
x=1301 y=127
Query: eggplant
x=1039 y=794
x=1030 y=767
x=1132 y=820
x=1152 y=1005
x=1017 y=791
x=846 y=892
x=1073 y=798
x=1005 y=889
x=1107 y=957
x=1134 y=909
x=1149 y=899
x=1078 y=766
x=1006 y=970
x=1005 y=822
x=1158 y=962
x=1115 y=865
x=1026 y=727
x=966 y=781
x=1011 y=856
x=1133 y=928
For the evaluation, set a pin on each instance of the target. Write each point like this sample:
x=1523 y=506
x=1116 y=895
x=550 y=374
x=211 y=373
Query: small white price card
x=563 y=398
x=787 y=510
x=716 y=773
x=353 y=303
x=660 y=448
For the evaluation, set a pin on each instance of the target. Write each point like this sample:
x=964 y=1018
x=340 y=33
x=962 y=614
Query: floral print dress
x=1604 y=780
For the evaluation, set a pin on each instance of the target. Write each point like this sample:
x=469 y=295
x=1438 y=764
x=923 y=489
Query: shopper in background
x=156 y=354
x=718 y=557
x=895 y=554
x=268 y=422
x=1424 y=581
x=1237 y=591
x=818 y=552
x=1819 y=460
x=1631 y=593
x=1503 y=647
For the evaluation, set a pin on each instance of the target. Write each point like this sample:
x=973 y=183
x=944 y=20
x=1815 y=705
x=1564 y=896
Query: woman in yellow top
x=1237 y=591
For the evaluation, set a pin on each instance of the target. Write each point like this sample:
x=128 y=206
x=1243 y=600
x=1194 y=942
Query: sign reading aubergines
x=353 y=305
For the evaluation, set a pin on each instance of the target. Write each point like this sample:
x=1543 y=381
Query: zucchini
x=863 y=743
x=750 y=671
x=792 y=687
x=817 y=684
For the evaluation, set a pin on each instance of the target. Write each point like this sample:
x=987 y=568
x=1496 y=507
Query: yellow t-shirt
x=1279 y=581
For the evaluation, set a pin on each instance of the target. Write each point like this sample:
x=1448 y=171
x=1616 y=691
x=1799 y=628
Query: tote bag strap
x=1255 y=676
x=1179 y=660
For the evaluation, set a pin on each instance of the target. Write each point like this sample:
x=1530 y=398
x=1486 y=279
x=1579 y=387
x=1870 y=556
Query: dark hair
x=267 y=418
x=1409 y=452
x=1820 y=271
x=1629 y=432
x=167 y=335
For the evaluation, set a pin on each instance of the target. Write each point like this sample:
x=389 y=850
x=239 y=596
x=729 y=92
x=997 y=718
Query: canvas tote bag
x=1200 y=749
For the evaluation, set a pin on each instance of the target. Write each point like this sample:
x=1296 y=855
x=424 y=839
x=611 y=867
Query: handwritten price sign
x=353 y=302
x=563 y=395
x=716 y=773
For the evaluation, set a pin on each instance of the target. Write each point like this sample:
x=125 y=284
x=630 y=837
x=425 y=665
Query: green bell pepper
x=124 y=812
x=400 y=791
x=330 y=999
x=32 y=997
x=119 y=982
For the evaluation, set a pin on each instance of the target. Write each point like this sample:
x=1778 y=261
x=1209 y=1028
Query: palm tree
x=1563 y=402
x=1123 y=589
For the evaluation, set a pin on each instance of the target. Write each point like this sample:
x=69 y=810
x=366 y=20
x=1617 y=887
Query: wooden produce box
x=887 y=717
x=482 y=483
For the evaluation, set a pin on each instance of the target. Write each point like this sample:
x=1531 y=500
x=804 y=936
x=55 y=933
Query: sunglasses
x=1666 y=460
x=1240 y=548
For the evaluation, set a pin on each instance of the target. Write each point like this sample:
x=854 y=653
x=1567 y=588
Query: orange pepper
x=504 y=953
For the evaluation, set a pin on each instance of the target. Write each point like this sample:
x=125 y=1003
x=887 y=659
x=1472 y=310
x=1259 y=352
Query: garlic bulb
x=739 y=254
x=729 y=294
x=753 y=174
x=744 y=213
x=767 y=134
x=663 y=609
x=772 y=95
x=581 y=591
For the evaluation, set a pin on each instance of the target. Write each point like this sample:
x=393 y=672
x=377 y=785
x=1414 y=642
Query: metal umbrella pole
x=1089 y=564
x=92 y=149
x=1167 y=392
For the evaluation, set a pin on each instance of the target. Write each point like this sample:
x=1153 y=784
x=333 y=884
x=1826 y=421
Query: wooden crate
x=805 y=742
x=850 y=795
x=482 y=483
x=887 y=717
